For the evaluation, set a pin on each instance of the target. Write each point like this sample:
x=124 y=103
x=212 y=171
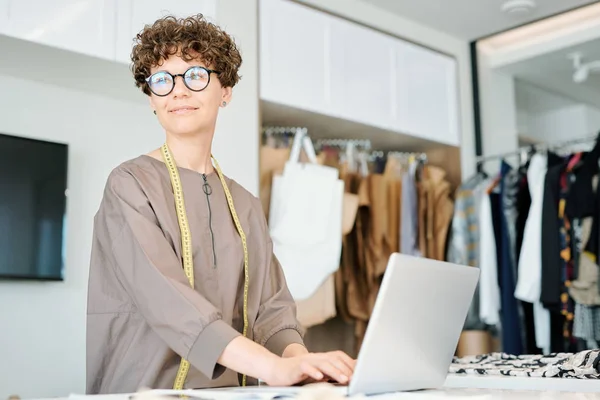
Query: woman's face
x=184 y=111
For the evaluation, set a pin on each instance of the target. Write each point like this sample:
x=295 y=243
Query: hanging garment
x=319 y=307
x=523 y=206
x=379 y=249
x=551 y=261
x=394 y=180
x=584 y=289
x=305 y=221
x=551 y=281
x=463 y=246
x=569 y=240
x=350 y=208
x=463 y=243
x=359 y=298
x=530 y=259
x=423 y=199
x=586 y=325
x=512 y=314
x=550 y=295
x=434 y=197
x=572 y=198
x=272 y=162
x=351 y=281
x=583 y=365
x=408 y=213
x=489 y=291
x=442 y=211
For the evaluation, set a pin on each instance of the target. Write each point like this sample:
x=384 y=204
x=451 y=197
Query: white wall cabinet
x=293 y=52
x=133 y=15
x=361 y=68
x=318 y=62
x=426 y=93
x=3 y=16
x=85 y=27
x=99 y=28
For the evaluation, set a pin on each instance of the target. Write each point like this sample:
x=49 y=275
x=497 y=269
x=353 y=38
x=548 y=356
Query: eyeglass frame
x=174 y=76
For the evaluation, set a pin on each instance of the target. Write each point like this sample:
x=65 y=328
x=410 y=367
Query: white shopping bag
x=305 y=221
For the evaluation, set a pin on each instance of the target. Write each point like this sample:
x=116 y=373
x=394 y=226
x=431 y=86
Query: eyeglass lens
x=195 y=78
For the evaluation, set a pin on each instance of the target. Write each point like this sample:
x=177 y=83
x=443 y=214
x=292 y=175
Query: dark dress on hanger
x=571 y=185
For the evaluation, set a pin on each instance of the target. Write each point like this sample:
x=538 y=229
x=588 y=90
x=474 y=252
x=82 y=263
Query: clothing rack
x=364 y=144
x=282 y=136
x=402 y=155
x=523 y=151
x=283 y=130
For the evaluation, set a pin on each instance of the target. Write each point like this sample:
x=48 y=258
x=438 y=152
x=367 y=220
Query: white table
x=456 y=387
x=523 y=383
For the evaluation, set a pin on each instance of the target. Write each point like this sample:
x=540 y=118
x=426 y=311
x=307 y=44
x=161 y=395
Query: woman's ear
x=152 y=106
x=226 y=96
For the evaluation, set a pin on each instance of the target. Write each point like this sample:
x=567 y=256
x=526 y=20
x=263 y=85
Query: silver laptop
x=415 y=326
x=414 y=329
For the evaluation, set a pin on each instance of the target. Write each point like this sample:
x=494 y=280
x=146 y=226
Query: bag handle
x=301 y=140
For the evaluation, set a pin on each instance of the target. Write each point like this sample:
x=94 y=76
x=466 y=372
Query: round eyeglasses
x=196 y=79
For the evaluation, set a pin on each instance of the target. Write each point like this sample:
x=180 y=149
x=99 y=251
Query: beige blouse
x=143 y=316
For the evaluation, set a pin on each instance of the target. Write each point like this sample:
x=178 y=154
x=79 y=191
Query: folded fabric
x=582 y=365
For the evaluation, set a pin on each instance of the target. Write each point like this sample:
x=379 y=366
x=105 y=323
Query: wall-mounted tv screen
x=33 y=189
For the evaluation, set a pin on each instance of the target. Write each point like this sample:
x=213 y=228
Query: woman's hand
x=336 y=366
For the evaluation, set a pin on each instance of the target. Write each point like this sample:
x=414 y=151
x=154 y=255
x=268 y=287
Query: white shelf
x=322 y=126
x=51 y=65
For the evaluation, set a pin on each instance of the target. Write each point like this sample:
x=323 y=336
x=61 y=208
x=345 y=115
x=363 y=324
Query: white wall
x=593 y=120
x=499 y=124
x=42 y=339
x=237 y=139
x=364 y=13
x=547 y=116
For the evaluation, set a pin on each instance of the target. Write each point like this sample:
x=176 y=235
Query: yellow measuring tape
x=186 y=246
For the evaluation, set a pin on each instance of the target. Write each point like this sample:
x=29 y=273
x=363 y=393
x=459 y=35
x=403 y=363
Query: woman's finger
x=347 y=360
x=327 y=367
x=311 y=371
x=341 y=366
x=350 y=362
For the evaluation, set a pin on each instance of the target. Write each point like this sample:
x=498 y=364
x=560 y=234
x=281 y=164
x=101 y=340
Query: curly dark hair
x=188 y=36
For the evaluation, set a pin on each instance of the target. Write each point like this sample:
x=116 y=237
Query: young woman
x=184 y=289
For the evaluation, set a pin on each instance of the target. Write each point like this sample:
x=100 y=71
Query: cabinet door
x=82 y=26
x=427 y=94
x=362 y=74
x=133 y=15
x=3 y=16
x=293 y=49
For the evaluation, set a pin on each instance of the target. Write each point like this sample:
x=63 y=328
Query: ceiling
x=471 y=19
x=554 y=71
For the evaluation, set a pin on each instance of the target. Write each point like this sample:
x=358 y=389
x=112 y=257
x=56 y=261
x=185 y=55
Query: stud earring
x=154 y=112
x=224 y=103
